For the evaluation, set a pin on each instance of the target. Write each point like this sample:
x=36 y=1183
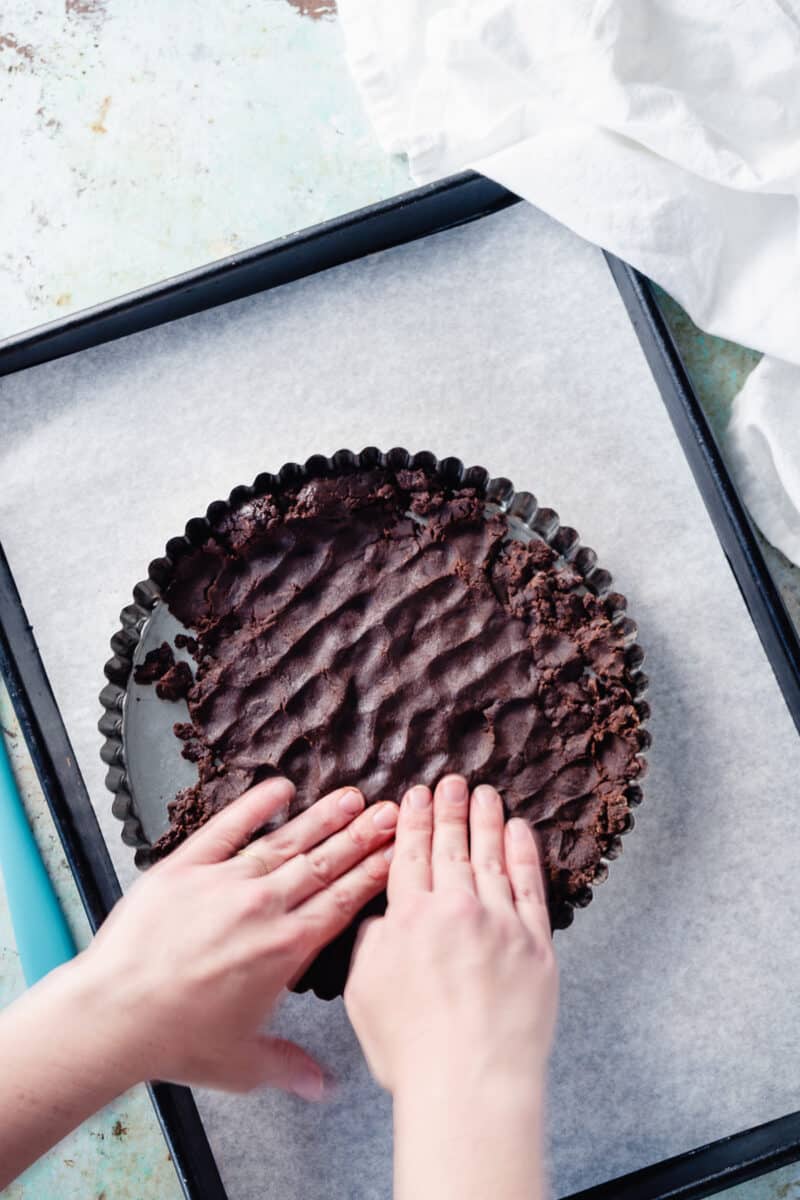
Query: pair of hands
x=456 y=983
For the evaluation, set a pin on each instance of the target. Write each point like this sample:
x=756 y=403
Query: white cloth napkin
x=666 y=131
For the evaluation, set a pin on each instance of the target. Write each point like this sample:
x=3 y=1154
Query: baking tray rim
x=423 y=212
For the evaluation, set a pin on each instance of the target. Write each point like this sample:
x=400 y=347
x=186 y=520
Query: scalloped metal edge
x=520 y=505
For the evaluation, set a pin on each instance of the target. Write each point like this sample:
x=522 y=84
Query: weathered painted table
x=137 y=147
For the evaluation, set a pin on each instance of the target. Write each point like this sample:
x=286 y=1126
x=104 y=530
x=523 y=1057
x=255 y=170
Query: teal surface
x=41 y=932
x=778 y=1185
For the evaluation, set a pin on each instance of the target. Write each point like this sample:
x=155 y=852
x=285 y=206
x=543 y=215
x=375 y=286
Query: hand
x=192 y=960
x=179 y=980
x=462 y=963
x=453 y=997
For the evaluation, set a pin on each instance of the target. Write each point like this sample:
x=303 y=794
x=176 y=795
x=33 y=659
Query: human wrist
x=457 y=1101
x=463 y=1134
x=99 y=1024
x=518 y=1083
x=63 y=1059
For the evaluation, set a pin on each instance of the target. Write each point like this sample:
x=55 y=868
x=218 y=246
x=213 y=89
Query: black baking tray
x=419 y=213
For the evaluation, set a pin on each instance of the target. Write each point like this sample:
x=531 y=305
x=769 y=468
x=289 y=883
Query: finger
x=231 y=829
x=285 y=1065
x=328 y=912
x=411 y=863
x=487 y=848
x=307 y=829
x=450 y=857
x=305 y=874
x=527 y=878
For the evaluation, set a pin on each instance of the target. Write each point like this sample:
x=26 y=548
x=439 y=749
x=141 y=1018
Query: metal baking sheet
x=506 y=343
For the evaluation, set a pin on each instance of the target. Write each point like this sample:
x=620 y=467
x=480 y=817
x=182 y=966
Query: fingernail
x=518 y=829
x=419 y=796
x=486 y=796
x=388 y=854
x=385 y=817
x=351 y=802
x=453 y=789
x=308 y=1085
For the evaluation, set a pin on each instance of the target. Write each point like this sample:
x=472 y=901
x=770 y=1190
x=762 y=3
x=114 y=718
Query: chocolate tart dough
x=380 y=628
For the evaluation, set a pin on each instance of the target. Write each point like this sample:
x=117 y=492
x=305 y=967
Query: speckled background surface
x=143 y=144
x=138 y=144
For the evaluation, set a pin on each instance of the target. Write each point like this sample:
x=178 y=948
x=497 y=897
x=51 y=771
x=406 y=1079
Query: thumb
x=287 y=1066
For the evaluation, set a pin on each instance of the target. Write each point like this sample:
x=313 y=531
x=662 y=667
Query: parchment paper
x=503 y=342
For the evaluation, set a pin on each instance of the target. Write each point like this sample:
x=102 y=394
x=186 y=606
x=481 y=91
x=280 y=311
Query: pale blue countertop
x=142 y=147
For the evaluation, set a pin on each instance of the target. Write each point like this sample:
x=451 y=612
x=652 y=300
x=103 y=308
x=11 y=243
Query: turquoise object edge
x=43 y=938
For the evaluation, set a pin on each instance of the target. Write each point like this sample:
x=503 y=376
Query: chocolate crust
x=172 y=679
x=378 y=627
